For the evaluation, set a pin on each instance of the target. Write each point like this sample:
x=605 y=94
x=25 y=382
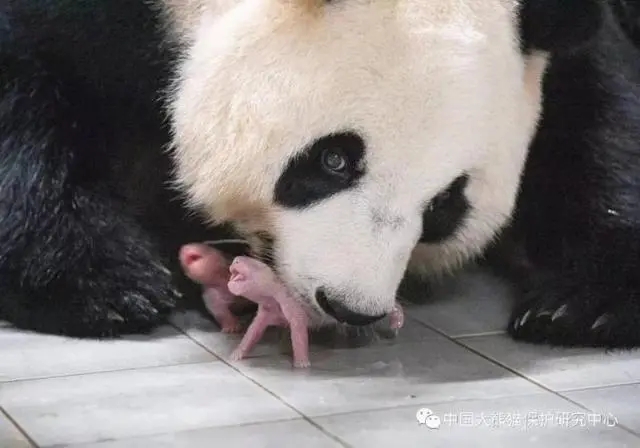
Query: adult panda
x=355 y=137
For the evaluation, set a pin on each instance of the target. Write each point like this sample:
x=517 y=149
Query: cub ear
x=559 y=25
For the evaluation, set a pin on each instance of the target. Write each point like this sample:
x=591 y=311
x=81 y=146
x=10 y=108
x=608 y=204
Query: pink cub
x=209 y=268
x=254 y=280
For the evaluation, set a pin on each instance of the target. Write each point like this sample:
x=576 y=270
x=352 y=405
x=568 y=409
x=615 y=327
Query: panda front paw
x=122 y=291
x=132 y=302
x=578 y=312
x=133 y=298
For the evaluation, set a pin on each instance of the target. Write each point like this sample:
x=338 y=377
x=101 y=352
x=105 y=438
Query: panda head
x=356 y=135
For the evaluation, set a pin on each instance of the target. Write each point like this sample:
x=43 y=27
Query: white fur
x=436 y=88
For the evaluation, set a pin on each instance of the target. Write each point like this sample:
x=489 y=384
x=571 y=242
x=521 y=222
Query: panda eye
x=334 y=160
x=327 y=166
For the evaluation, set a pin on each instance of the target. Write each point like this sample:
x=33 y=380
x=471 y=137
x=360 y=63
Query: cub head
x=355 y=135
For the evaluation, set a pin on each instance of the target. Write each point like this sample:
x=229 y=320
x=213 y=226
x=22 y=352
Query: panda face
x=362 y=136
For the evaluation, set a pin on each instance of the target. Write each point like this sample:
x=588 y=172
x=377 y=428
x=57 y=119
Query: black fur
x=82 y=201
x=307 y=180
x=446 y=212
x=578 y=214
x=558 y=25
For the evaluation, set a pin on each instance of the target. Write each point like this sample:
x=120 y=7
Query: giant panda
x=351 y=142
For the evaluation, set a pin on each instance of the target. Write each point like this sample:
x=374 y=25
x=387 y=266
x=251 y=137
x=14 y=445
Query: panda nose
x=332 y=305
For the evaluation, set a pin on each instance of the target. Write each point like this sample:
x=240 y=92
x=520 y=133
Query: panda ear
x=558 y=25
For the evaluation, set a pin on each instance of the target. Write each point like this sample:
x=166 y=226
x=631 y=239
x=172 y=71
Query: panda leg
x=71 y=260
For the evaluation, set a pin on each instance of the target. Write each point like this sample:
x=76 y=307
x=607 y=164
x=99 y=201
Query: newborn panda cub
x=250 y=278
x=254 y=280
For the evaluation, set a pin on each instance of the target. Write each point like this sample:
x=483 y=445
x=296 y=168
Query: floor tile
x=29 y=355
x=277 y=341
x=560 y=368
x=293 y=434
x=345 y=380
x=115 y=405
x=623 y=402
x=473 y=302
x=535 y=421
x=10 y=437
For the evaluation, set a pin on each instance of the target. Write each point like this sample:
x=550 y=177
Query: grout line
x=457 y=336
x=476 y=335
x=277 y=397
x=184 y=431
x=604 y=386
x=419 y=404
x=99 y=372
x=120 y=369
x=21 y=430
x=216 y=359
x=325 y=432
x=522 y=375
x=454 y=339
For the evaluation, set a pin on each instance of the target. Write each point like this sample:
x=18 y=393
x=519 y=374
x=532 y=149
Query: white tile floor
x=178 y=389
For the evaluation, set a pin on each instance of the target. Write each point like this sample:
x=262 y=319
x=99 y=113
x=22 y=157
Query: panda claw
x=518 y=323
x=176 y=293
x=115 y=316
x=544 y=313
x=560 y=312
x=600 y=321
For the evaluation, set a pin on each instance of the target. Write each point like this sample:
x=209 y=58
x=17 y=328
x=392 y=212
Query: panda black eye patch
x=331 y=164
x=446 y=212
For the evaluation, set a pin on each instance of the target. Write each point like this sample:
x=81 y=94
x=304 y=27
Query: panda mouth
x=342 y=315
